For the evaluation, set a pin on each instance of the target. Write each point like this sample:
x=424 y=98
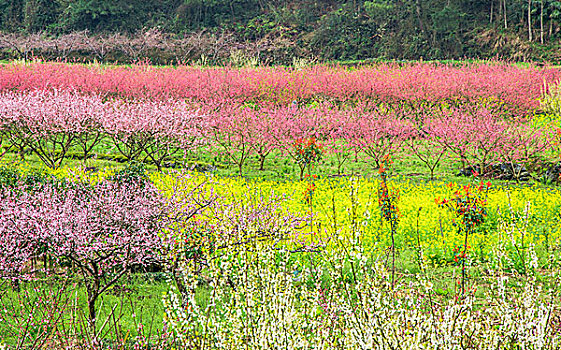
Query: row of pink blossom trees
x=53 y=123
x=509 y=89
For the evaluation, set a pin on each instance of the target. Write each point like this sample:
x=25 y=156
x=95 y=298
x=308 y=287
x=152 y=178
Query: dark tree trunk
x=262 y=162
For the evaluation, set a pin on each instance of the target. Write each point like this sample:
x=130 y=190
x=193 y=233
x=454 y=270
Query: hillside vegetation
x=280 y=32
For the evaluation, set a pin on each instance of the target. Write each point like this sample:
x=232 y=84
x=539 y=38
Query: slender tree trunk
x=541 y=21
x=92 y=290
x=262 y=162
x=91 y=310
x=491 y=14
x=15 y=285
x=500 y=13
x=504 y=14
x=93 y=294
x=21 y=153
x=530 y=20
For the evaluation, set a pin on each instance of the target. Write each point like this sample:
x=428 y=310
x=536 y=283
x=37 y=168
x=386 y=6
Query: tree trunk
x=15 y=285
x=504 y=14
x=92 y=289
x=21 y=153
x=93 y=293
x=541 y=21
x=91 y=309
x=262 y=162
x=529 y=20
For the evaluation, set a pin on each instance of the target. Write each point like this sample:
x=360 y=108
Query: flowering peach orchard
x=411 y=206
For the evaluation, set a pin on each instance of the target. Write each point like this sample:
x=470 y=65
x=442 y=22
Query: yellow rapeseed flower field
x=343 y=208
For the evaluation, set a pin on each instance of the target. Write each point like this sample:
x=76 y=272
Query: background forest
x=277 y=31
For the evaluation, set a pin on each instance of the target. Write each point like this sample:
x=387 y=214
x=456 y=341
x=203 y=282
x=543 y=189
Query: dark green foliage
x=40 y=15
x=133 y=173
x=110 y=16
x=196 y=14
x=8 y=177
x=11 y=14
x=328 y=29
x=346 y=34
x=11 y=178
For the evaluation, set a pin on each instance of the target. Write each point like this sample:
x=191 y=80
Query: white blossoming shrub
x=261 y=289
x=263 y=298
x=252 y=300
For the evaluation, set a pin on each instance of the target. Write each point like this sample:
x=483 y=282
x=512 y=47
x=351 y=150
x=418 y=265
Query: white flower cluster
x=270 y=298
